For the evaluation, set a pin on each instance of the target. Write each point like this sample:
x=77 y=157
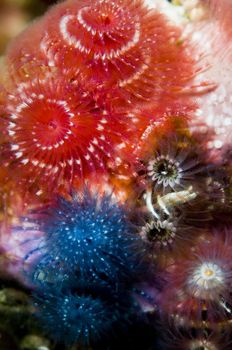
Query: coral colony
x=115 y=175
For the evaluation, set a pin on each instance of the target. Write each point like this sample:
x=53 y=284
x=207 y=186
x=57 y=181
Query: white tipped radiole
x=77 y=43
x=207 y=280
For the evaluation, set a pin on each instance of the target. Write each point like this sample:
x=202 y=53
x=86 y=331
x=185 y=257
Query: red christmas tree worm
x=122 y=54
x=56 y=131
x=134 y=52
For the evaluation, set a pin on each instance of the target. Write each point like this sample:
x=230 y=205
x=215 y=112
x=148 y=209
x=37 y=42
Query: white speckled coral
x=212 y=36
x=210 y=31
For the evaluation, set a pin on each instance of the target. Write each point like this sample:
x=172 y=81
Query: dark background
x=15 y=15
